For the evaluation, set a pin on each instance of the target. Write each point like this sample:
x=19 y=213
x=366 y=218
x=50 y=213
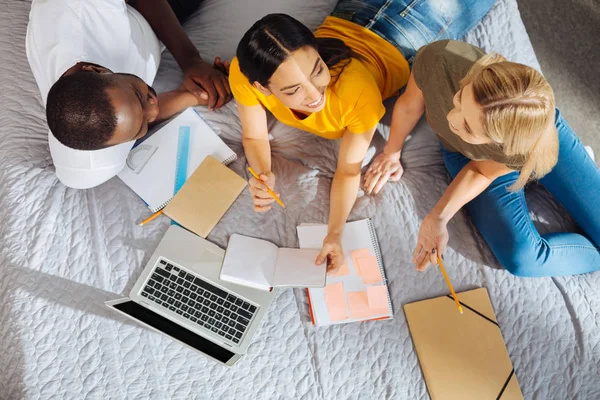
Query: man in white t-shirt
x=94 y=62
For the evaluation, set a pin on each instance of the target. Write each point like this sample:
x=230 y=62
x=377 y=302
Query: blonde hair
x=518 y=113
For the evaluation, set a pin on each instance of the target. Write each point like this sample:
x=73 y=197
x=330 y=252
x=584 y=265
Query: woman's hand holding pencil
x=263 y=195
x=433 y=235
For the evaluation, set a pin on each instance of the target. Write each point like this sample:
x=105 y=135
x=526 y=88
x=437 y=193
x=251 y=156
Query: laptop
x=180 y=295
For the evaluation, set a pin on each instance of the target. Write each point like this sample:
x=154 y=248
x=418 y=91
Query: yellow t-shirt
x=353 y=99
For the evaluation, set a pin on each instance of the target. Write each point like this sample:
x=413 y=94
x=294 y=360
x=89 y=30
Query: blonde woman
x=498 y=129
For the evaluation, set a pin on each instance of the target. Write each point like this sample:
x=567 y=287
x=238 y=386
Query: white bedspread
x=64 y=252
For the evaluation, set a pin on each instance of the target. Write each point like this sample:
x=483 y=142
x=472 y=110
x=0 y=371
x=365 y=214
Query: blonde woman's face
x=300 y=81
x=465 y=118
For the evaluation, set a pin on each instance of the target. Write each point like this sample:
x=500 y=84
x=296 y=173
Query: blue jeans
x=411 y=24
x=503 y=218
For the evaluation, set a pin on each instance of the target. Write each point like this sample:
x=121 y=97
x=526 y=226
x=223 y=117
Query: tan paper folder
x=462 y=356
x=205 y=197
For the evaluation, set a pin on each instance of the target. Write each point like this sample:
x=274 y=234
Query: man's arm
x=200 y=77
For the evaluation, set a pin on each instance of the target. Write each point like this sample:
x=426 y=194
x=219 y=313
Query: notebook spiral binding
x=230 y=159
x=225 y=162
x=379 y=260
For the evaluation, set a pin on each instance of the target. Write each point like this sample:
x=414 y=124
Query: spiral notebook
x=151 y=166
x=358 y=291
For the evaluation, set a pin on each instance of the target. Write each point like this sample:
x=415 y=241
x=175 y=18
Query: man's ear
x=262 y=89
x=96 y=68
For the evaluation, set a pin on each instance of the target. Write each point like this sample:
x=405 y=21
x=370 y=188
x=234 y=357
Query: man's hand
x=260 y=196
x=331 y=252
x=383 y=168
x=207 y=81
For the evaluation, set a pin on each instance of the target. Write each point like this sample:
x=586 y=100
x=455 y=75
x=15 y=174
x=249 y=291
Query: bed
x=64 y=252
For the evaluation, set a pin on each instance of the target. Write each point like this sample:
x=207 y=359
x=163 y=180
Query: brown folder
x=462 y=356
x=205 y=197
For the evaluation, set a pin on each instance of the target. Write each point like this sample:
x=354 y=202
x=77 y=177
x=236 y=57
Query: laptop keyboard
x=199 y=302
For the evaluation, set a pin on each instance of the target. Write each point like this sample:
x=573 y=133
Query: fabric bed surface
x=64 y=252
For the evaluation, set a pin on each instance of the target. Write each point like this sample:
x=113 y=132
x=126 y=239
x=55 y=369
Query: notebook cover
x=462 y=356
x=205 y=197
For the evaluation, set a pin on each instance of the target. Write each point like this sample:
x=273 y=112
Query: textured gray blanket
x=64 y=252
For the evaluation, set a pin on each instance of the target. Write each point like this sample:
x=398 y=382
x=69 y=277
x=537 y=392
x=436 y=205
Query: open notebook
x=262 y=265
x=358 y=291
x=151 y=166
x=462 y=356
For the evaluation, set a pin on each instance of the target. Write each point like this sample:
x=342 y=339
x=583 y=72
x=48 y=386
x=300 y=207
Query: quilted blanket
x=64 y=252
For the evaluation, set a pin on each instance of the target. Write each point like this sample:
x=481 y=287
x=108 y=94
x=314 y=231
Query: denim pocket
x=424 y=21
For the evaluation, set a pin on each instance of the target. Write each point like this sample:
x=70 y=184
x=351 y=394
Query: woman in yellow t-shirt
x=332 y=83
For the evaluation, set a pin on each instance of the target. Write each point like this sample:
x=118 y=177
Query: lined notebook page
x=357 y=235
x=155 y=182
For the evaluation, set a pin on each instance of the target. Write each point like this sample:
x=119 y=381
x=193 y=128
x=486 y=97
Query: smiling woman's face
x=465 y=118
x=300 y=81
x=136 y=106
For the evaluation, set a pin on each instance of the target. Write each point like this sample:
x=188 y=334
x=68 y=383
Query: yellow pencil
x=439 y=260
x=150 y=218
x=272 y=193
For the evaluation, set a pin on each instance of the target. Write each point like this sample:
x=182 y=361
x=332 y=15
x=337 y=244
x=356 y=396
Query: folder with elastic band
x=462 y=356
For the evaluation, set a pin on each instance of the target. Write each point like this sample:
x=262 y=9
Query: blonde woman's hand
x=260 y=195
x=432 y=241
x=383 y=168
x=332 y=252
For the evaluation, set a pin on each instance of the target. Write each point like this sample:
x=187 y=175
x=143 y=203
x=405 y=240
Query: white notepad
x=154 y=182
x=358 y=235
x=262 y=265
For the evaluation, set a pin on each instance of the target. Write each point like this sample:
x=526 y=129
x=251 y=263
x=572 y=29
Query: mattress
x=64 y=252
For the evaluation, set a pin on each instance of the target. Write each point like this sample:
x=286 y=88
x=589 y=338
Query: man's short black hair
x=79 y=111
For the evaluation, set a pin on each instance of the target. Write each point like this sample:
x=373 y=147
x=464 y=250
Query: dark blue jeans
x=503 y=218
x=411 y=24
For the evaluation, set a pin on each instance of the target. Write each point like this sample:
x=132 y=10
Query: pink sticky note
x=358 y=304
x=344 y=270
x=369 y=269
x=336 y=301
x=356 y=254
x=377 y=299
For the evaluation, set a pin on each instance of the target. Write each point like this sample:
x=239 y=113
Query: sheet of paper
x=336 y=301
x=369 y=269
x=377 y=299
x=296 y=268
x=344 y=270
x=249 y=261
x=358 y=305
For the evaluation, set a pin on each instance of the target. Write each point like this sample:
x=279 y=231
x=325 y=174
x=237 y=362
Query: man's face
x=136 y=106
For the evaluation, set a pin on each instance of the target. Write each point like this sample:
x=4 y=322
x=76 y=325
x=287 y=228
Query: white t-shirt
x=109 y=33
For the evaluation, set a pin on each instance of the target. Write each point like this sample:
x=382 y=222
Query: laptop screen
x=175 y=331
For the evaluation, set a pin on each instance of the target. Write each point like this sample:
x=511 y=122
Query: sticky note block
x=369 y=269
x=336 y=301
x=356 y=254
x=377 y=299
x=358 y=304
x=344 y=270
